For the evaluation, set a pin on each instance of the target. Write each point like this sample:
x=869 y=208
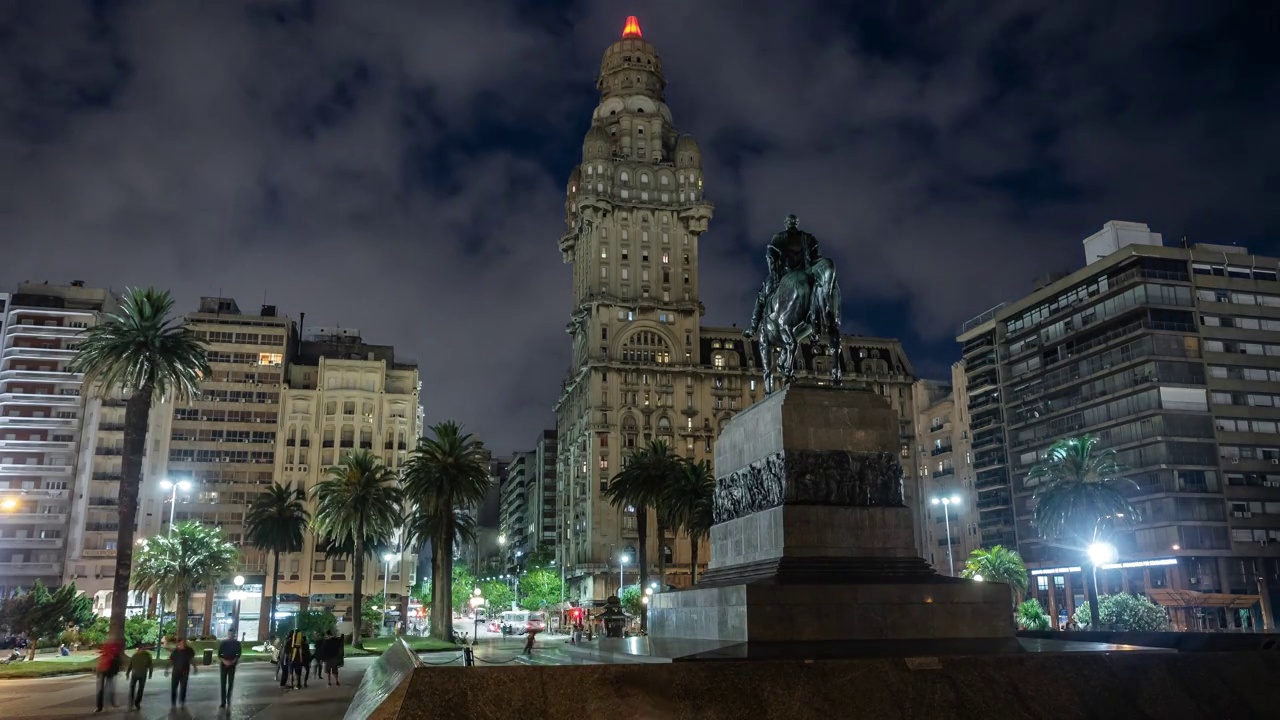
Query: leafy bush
x=1033 y=617
x=139 y=629
x=631 y=602
x=95 y=634
x=311 y=622
x=1125 y=612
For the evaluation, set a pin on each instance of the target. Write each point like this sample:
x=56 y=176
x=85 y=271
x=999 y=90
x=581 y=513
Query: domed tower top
x=631 y=66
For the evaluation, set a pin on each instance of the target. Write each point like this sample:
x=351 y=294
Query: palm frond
x=1077 y=487
x=277 y=519
x=191 y=557
x=359 y=493
x=140 y=346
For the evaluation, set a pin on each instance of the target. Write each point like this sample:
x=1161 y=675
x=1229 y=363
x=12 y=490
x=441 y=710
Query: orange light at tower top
x=632 y=28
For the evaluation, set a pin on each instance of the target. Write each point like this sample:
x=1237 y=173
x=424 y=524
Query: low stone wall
x=382 y=690
x=1075 y=685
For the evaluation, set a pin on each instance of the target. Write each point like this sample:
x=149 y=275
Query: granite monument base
x=813 y=541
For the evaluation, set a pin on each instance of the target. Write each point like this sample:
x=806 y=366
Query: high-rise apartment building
x=947 y=499
x=44 y=429
x=223 y=442
x=1169 y=356
x=529 y=508
x=514 y=523
x=343 y=395
x=643 y=366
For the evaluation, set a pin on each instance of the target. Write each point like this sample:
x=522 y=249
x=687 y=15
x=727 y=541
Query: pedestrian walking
x=109 y=662
x=229 y=651
x=291 y=660
x=530 y=634
x=138 y=672
x=334 y=649
x=304 y=669
x=182 y=662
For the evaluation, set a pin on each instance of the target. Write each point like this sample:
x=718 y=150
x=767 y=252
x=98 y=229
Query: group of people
x=296 y=656
x=140 y=666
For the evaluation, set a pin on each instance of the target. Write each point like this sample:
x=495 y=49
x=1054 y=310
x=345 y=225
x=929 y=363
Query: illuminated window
x=270 y=358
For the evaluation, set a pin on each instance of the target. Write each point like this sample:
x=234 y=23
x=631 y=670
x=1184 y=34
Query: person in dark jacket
x=334 y=649
x=304 y=669
x=229 y=652
x=182 y=662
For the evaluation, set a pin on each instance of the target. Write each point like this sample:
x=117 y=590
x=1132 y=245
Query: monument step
x=825 y=571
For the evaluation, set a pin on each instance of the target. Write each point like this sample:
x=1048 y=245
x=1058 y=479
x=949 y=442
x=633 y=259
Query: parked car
x=537 y=622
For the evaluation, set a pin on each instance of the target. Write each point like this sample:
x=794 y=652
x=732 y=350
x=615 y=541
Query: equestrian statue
x=800 y=301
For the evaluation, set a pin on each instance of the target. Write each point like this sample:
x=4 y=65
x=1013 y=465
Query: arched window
x=644 y=179
x=622 y=176
x=667 y=555
x=664 y=423
x=646 y=346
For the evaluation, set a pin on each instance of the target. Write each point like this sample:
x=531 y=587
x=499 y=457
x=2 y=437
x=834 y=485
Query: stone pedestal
x=812 y=541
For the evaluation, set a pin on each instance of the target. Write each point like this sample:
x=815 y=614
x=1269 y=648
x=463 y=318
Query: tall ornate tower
x=634 y=211
x=644 y=367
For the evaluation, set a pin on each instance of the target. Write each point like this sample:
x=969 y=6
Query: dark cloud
x=399 y=166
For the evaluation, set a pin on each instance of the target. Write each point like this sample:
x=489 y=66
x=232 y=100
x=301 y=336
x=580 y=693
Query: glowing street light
x=184 y=486
x=237 y=595
x=978 y=578
x=622 y=564
x=1102 y=553
x=8 y=504
x=946 y=503
x=477 y=599
x=388 y=558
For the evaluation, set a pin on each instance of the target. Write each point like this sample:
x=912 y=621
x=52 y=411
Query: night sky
x=399 y=166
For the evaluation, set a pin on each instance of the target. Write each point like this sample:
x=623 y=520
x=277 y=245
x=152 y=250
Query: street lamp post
x=235 y=622
x=389 y=558
x=477 y=599
x=174 y=487
x=946 y=503
x=622 y=565
x=1100 y=553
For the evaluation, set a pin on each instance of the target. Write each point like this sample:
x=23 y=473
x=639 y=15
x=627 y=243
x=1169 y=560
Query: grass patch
x=417 y=643
x=39 y=669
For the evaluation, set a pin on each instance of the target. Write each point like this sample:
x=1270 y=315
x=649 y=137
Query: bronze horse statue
x=804 y=305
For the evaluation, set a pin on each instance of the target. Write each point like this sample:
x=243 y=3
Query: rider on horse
x=794 y=250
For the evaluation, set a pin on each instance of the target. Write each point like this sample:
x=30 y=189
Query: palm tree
x=1077 y=490
x=688 y=503
x=422 y=527
x=191 y=557
x=274 y=524
x=999 y=564
x=141 y=351
x=639 y=486
x=447 y=472
x=358 y=503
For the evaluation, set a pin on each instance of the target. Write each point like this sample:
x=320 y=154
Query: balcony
x=102 y=527
x=44 y=331
x=31 y=543
x=111 y=427
x=108 y=477
x=50 y=376
x=16 y=398
x=36 y=445
x=32 y=493
x=940 y=450
x=993 y=501
x=990 y=482
x=18 y=518
x=14 y=422
x=983 y=401
x=104 y=502
x=30 y=568
x=42 y=470
x=109 y=451
x=944 y=473
x=38 y=353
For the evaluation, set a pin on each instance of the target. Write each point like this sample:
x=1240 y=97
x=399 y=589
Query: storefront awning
x=1193 y=599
